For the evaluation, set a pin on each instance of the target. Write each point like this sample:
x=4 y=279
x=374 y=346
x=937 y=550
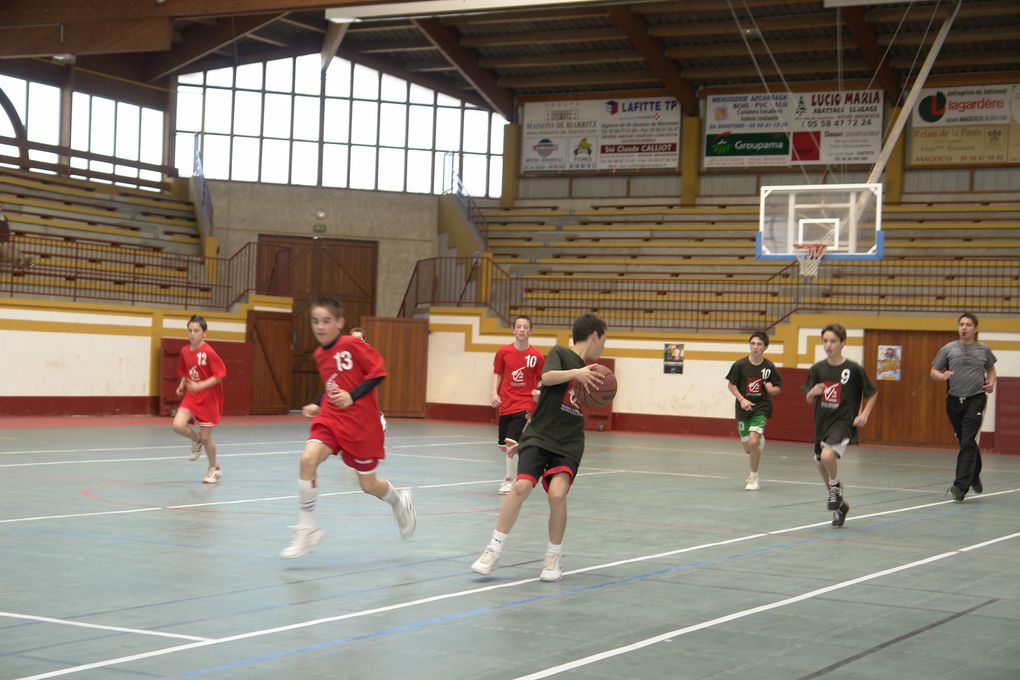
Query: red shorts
x=202 y=414
x=363 y=455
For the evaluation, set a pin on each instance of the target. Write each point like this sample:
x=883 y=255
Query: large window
x=283 y=122
x=98 y=125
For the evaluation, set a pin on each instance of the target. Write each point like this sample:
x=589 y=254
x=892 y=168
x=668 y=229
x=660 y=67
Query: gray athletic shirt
x=968 y=364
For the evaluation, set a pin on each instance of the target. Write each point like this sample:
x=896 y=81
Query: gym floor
x=119 y=563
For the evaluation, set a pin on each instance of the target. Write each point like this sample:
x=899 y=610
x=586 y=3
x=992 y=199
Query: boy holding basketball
x=516 y=371
x=552 y=444
x=346 y=424
x=754 y=380
x=202 y=373
x=835 y=387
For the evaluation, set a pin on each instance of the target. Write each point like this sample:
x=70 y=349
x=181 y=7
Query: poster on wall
x=673 y=357
x=890 y=362
x=601 y=134
x=799 y=128
x=966 y=125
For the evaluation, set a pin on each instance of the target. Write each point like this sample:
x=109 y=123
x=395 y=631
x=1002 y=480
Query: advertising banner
x=800 y=128
x=966 y=125
x=601 y=134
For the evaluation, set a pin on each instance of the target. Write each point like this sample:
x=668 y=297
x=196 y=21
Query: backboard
x=847 y=218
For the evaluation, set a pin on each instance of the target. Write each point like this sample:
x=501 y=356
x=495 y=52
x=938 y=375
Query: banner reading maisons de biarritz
x=601 y=134
x=798 y=128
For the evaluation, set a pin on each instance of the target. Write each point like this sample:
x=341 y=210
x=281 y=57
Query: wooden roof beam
x=92 y=37
x=867 y=43
x=447 y=41
x=200 y=41
x=560 y=59
x=653 y=52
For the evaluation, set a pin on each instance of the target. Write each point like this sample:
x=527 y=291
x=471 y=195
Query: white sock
x=391 y=497
x=307 y=492
x=833 y=482
x=511 y=468
x=496 y=542
x=554 y=549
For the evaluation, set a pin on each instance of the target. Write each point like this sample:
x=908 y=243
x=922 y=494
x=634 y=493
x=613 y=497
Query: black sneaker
x=977 y=486
x=957 y=493
x=835 y=496
x=839 y=516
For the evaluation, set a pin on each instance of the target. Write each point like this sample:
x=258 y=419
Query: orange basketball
x=599 y=396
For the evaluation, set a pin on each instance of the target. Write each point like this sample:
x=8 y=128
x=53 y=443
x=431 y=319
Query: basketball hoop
x=809 y=255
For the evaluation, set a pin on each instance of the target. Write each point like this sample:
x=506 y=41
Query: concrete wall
x=404 y=225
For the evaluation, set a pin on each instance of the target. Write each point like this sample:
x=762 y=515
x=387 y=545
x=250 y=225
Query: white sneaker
x=486 y=563
x=196 y=450
x=303 y=539
x=505 y=486
x=752 y=482
x=404 y=512
x=551 y=570
x=212 y=475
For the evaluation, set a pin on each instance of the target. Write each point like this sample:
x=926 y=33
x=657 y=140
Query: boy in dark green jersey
x=552 y=444
x=753 y=380
x=835 y=387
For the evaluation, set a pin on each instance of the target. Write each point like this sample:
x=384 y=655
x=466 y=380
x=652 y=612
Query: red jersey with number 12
x=344 y=365
x=197 y=365
x=520 y=372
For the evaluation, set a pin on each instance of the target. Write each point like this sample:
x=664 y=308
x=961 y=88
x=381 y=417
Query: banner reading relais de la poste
x=798 y=128
x=601 y=134
x=966 y=125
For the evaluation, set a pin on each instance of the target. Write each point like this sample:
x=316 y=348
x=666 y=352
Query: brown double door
x=911 y=410
x=305 y=268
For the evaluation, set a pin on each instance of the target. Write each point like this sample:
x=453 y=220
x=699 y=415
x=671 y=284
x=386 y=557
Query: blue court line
x=485 y=610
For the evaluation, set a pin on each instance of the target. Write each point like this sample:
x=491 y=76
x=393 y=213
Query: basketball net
x=809 y=256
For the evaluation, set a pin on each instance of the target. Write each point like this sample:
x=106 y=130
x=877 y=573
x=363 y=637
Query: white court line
x=294 y=451
x=647 y=642
x=139 y=631
x=473 y=591
x=296 y=441
x=242 y=501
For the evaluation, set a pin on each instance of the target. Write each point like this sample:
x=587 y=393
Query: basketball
x=600 y=396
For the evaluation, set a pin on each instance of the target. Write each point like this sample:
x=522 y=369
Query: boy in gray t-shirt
x=968 y=366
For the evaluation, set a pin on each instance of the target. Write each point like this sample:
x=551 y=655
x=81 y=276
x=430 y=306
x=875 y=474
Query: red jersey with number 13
x=520 y=372
x=344 y=365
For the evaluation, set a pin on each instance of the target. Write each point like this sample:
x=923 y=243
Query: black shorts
x=511 y=425
x=537 y=463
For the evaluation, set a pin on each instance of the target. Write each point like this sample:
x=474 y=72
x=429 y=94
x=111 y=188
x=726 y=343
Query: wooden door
x=341 y=269
x=911 y=410
x=404 y=345
x=271 y=334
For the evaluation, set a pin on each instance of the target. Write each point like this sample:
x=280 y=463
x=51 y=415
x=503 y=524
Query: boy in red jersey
x=202 y=373
x=346 y=424
x=516 y=372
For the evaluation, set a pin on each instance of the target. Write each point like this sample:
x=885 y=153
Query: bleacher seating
x=40 y=203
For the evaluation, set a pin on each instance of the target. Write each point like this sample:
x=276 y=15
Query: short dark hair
x=329 y=304
x=358 y=329
x=969 y=315
x=585 y=325
x=526 y=318
x=761 y=335
x=195 y=318
x=837 y=329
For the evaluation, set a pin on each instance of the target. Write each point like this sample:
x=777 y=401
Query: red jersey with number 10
x=206 y=406
x=520 y=372
x=344 y=365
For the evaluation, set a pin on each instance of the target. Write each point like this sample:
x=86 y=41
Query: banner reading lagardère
x=966 y=125
x=601 y=134
x=799 y=128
